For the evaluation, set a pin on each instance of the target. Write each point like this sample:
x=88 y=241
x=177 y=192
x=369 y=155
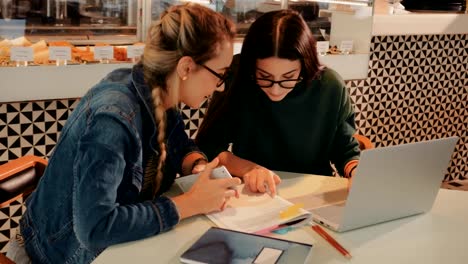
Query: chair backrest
x=364 y=142
x=5 y=260
x=19 y=177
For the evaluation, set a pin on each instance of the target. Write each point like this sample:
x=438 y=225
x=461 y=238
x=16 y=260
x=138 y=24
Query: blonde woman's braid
x=160 y=115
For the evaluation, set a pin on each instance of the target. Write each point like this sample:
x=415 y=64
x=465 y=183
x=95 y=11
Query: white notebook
x=253 y=212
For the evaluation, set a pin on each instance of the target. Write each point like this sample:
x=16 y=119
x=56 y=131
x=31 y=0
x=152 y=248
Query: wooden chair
x=5 y=260
x=364 y=142
x=18 y=178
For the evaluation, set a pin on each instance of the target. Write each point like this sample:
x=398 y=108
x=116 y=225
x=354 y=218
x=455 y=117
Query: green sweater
x=311 y=127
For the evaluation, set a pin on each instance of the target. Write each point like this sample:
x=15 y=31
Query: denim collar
x=142 y=89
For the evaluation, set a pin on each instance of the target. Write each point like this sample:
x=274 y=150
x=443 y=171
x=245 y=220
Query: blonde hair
x=183 y=30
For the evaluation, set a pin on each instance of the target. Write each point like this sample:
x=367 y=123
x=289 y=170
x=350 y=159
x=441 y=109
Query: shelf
x=420 y=24
x=52 y=82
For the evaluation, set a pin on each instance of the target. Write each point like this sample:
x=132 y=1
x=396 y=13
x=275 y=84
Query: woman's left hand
x=199 y=168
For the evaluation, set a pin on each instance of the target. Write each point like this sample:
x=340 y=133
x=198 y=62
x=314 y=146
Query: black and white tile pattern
x=32 y=128
x=417 y=89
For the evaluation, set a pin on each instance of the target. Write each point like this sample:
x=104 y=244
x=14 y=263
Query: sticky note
x=291 y=211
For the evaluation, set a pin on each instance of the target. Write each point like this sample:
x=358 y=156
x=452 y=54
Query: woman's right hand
x=261 y=179
x=207 y=195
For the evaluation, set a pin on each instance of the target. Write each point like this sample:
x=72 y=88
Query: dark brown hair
x=283 y=34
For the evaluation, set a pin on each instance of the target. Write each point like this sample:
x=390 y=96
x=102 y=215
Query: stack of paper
x=253 y=212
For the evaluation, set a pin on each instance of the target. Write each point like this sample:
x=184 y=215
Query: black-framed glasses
x=222 y=78
x=286 y=84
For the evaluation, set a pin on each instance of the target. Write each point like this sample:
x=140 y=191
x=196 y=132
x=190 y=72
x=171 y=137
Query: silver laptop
x=391 y=183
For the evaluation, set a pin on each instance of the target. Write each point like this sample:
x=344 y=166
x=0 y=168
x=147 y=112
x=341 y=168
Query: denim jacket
x=90 y=194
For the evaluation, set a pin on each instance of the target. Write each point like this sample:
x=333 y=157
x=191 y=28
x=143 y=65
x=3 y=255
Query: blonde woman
x=122 y=146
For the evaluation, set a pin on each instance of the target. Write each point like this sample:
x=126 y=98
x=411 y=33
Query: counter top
x=420 y=24
x=402 y=22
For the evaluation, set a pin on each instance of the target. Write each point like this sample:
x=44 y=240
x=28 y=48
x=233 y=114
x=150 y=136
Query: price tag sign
x=135 y=51
x=322 y=47
x=346 y=46
x=60 y=53
x=22 y=54
x=104 y=53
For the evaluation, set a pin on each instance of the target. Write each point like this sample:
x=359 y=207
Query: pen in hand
x=331 y=240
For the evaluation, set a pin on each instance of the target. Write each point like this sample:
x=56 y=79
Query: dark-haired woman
x=283 y=111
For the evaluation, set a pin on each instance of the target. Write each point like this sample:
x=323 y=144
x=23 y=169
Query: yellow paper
x=291 y=211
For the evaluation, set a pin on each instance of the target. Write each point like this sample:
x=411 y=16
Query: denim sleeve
x=99 y=221
x=179 y=145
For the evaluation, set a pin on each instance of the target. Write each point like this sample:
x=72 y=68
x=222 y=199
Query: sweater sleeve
x=345 y=146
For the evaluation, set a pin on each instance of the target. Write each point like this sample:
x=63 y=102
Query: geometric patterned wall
x=32 y=127
x=28 y=128
x=417 y=89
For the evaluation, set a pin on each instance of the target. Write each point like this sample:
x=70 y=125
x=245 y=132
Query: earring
x=184 y=78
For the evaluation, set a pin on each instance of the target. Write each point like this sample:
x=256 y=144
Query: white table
x=439 y=236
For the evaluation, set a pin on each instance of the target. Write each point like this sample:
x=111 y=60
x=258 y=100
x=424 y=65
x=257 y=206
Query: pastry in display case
x=78 y=54
x=78 y=24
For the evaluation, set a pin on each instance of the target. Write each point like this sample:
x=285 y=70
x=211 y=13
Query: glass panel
x=245 y=12
x=317 y=13
x=242 y=12
x=342 y=27
x=77 y=21
x=346 y=24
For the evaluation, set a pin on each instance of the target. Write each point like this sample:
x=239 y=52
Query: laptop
x=390 y=183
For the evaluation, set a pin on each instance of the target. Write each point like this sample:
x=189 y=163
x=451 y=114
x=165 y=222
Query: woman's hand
x=260 y=179
x=199 y=167
x=208 y=195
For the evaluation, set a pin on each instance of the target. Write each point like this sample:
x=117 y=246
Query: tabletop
x=439 y=236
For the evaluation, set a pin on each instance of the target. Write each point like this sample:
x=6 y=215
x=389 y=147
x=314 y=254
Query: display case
x=83 y=25
x=343 y=26
x=77 y=21
x=317 y=13
x=121 y=22
x=125 y=21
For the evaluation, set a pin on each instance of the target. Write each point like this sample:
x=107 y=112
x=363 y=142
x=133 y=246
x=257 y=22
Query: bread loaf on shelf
x=81 y=54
